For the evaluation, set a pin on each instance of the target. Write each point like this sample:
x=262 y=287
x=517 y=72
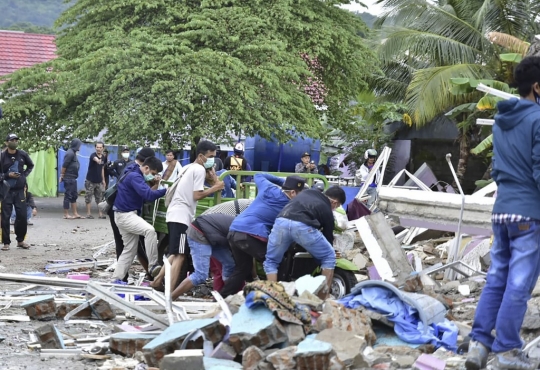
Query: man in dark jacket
x=119 y=166
x=69 y=174
x=16 y=166
x=132 y=192
x=301 y=222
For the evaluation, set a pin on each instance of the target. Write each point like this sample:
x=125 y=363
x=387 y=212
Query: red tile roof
x=19 y=50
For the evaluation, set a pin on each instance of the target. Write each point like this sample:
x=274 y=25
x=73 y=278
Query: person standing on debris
x=132 y=192
x=68 y=175
x=515 y=253
x=301 y=221
x=370 y=156
x=249 y=232
x=95 y=179
x=171 y=167
x=183 y=205
x=119 y=166
x=307 y=165
x=16 y=166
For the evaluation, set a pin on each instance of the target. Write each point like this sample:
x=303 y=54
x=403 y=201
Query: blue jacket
x=133 y=191
x=516 y=162
x=260 y=216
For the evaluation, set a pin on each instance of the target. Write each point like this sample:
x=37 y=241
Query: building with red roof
x=19 y=50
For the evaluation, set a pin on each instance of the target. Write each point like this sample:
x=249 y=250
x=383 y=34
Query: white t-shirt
x=183 y=206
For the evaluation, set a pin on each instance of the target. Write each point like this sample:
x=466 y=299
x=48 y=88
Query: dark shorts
x=177 y=238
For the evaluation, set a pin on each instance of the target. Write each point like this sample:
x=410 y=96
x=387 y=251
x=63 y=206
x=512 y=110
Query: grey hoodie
x=71 y=162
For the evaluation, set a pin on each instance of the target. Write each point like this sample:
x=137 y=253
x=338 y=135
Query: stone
x=532 y=316
x=337 y=316
x=255 y=327
x=295 y=334
x=41 y=308
x=127 y=344
x=312 y=284
x=65 y=307
x=265 y=366
x=224 y=352
x=218 y=364
x=405 y=362
x=49 y=337
x=336 y=364
x=283 y=359
x=360 y=261
x=251 y=358
x=103 y=310
x=428 y=362
x=235 y=301
x=313 y=354
x=450 y=286
x=346 y=344
x=311 y=300
x=187 y=359
x=397 y=351
x=171 y=339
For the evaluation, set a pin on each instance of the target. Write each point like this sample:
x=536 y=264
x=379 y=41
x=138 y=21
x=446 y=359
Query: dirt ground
x=51 y=238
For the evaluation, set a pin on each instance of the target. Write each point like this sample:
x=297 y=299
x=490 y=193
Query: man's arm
x=68 y=158
x=300 y=168
x=29 y=165
x=263 y=180
x=200 y=192
x=30 y=200
x=143 y=189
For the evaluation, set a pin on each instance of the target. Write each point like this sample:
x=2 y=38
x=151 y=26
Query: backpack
x=110 y=193
x=172 y=189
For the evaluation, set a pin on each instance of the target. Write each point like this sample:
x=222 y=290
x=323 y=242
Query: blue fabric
x=516 y=160
x=133 y=191
x=514 y=270
x=407 y=324
x=260 y=216
x=201 y=253
x=229 y=183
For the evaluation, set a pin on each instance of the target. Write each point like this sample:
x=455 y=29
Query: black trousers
x=244 y=248
x=14 y=199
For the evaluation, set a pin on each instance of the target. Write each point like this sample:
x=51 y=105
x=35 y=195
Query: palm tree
x=423 y=45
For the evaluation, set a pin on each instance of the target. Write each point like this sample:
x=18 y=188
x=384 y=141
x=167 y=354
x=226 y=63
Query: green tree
x=171 y=71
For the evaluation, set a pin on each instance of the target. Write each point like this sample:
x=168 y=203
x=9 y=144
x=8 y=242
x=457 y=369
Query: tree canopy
x=170 y=71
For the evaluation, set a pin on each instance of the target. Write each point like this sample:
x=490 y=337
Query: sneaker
x=29 y=223
x=514 y=359
x=154 y=271
x=477 y=356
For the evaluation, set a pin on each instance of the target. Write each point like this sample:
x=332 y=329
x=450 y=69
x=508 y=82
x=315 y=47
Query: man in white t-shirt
x=181 y=210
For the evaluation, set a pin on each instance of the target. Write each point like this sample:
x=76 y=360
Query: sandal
x=68 y=217
x=23 y=246
x=5 y=247
x=102 y=217
x=90 y=217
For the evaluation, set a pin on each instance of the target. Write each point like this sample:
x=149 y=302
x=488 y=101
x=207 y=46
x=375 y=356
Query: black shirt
x=313 y=208
x=215 y=227
x=20 y=162
x=95 y=170
x=119 y=166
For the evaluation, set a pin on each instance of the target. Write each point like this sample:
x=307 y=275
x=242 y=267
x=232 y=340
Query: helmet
x=318 y=186
x=239 y=148
x=370 y=153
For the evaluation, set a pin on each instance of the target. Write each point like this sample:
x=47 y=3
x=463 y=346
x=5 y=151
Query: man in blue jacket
x=249 y=232
x=132 y=192
x=515 y=254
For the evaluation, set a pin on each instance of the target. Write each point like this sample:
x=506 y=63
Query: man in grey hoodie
x=68 y=175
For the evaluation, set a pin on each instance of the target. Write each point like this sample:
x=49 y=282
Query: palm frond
x=486 y=144
x=509 y=42
x=392 y=84
x=508 y=16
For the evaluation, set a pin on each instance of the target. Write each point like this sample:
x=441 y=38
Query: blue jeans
x=28 y=214
x=285 y=232
x=515 y=262
x=201 y=253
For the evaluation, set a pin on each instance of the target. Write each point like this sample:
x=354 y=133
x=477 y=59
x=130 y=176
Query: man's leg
x=12 y=218
x=29 y=215
x=279 y=242
x=223 y=256
x=243 y=264
x=201 y=261
x=7 y=208
x=125 y=223
x=119 y=243
x=71 y=196
x=98 y=195
x=88 y=186
x=217 y=273
x=21 y=224
x=177 y=249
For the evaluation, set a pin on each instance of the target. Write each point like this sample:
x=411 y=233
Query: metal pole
x=453 y=256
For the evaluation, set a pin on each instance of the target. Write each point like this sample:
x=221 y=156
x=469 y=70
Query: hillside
x=20 y=13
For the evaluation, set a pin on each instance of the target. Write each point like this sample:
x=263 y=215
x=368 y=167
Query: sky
x=372 y=8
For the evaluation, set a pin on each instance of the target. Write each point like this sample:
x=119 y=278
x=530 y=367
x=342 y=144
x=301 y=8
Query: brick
x=218 y=364
x=251 y=358
x=313 y=354
x=41 y=308
x=49 y=337
x=65 y=307
x=171 y=339
x=127 y=344
x=283 y=359
x=295 y=334
x=255 y=327
x=103 y=310
x=346 y=344
x=187 y=359
x=338 y=316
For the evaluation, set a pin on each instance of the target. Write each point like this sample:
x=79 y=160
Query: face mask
x=125 y=155
x=209 y=163
x=148 y=177
x=12 y=145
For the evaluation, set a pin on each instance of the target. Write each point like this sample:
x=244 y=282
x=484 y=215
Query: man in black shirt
x=69 y=174
x=95 y=179
x=16 y=166
x=119 y=166
x=300 y=221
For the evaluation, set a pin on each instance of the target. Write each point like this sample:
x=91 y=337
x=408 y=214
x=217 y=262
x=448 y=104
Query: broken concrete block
x=404 y=362
x=224 y=352
x=235 y=301
x=312 y=284
x=428 y=362
x=360 y=261
x=295 y=334
x=49 y=337
x=346 y=344
x=336 y=364
x=65 y=307
x=283 y=359
x=251 y=358
x=127 y=344
x=255 y=327
x=186 y=359
x=338 y=316
x=41 y=308
x=171 y=339
x=313 y=354
x=464 y=290
x=218 y=364
x=103 y=310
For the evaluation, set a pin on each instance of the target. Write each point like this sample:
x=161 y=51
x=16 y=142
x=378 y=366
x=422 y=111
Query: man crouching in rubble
x=515 y=254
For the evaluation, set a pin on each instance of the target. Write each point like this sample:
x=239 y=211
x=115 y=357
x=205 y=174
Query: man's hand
x=61 y=179
x=219 y=185
x=97 y=160
x=157 y=177
x=34 y=212
x=104 y=184
x=14 y=175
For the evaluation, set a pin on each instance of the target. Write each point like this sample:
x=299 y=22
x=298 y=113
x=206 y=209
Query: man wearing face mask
x=16 y=166
x=181 y=210
x=119 y=166
x=132 y=192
